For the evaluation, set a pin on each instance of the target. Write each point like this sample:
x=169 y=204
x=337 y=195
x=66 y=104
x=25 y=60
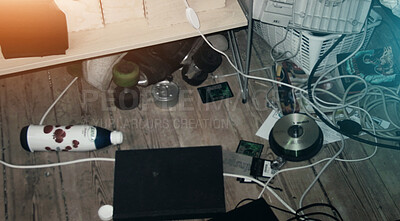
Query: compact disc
x=296 y=137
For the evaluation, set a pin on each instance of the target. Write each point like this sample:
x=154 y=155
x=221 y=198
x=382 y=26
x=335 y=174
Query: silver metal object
x=296 y=137
x=165 y=94
x=143 y=81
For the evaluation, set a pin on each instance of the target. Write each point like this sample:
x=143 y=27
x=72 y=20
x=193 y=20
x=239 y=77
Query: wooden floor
x=366 y=190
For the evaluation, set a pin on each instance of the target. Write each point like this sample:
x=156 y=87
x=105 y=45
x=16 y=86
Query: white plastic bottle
x=67 y=138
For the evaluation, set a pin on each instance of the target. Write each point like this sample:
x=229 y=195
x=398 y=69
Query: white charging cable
x=56 y=164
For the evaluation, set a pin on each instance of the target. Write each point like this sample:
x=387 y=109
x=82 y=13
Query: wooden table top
x=128 y=35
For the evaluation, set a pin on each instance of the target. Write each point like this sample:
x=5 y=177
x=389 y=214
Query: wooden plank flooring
x=360 y=191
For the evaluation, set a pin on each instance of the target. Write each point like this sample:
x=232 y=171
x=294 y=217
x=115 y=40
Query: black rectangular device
x=168 y=183
x=215 y=92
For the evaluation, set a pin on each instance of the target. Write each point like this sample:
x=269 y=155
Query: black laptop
x=169 y=183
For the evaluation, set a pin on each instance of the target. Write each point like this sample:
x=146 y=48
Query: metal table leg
x=237 y=62
x=243 y=81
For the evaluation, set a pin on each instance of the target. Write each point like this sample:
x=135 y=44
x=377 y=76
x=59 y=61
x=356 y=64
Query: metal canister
x=165 y=94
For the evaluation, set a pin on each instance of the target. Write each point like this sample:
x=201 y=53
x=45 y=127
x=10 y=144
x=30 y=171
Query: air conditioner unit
x=327 y=16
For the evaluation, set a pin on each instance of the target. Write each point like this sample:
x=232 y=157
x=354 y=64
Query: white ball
x=106 y=212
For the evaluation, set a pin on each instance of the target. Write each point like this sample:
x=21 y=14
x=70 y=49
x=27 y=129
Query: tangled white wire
x=318 y=104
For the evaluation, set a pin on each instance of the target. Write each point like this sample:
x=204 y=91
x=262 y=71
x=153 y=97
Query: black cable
x=307 y=216
x=382 y=138
x=320 y=205
x=274 y=207
x=391 y=31
x=318 y=113
x=242 y=201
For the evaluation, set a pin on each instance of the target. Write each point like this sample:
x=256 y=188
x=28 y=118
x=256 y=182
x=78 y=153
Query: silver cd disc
x=296 y=137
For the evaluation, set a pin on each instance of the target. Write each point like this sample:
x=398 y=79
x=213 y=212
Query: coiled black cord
x=318 y=113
